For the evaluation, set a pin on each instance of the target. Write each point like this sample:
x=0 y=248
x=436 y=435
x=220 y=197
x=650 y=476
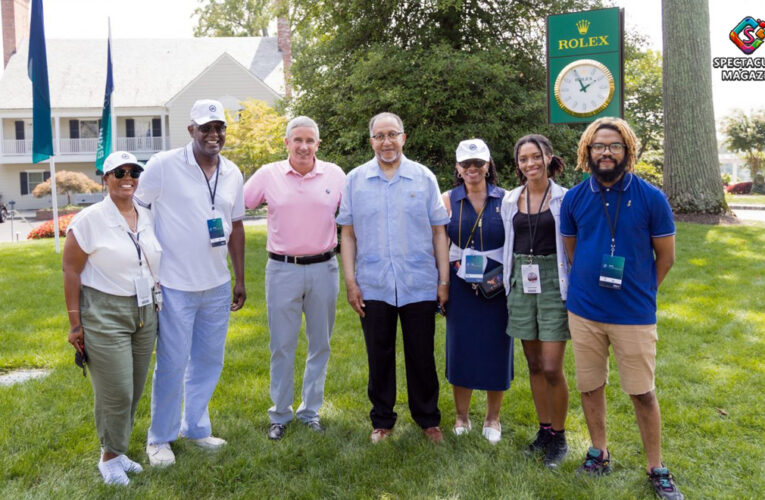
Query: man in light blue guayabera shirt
x=396 y=263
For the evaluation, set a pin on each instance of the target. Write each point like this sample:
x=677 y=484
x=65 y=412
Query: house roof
x=147 y=73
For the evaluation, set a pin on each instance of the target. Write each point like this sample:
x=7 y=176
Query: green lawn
x=745 y=199
x=710 y=374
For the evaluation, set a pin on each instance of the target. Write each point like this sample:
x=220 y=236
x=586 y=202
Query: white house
x=155 y=84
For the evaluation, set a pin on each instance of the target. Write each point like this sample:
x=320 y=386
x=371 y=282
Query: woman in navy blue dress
x=479 y=354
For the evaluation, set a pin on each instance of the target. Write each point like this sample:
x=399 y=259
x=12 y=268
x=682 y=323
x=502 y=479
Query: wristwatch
x=443 y=283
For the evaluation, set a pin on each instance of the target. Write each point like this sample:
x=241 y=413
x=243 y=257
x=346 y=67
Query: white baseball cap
x=118 y=159
x=207 y=110
x=473 y=149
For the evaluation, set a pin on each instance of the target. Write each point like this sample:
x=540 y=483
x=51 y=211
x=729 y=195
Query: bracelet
x=73 y=311
x=443 y=283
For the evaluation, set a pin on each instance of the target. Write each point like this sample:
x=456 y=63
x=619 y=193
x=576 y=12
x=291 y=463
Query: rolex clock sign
x=585 y=65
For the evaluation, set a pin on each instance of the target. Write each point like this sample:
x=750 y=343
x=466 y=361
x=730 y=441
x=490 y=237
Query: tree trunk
x=691 y=168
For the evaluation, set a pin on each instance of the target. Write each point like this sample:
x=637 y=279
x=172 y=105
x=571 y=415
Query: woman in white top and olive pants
x=110 y=259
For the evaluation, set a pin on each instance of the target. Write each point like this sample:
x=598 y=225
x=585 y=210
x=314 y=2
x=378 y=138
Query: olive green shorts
x=537 y=316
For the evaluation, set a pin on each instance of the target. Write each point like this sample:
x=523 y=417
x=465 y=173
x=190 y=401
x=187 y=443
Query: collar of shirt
x=223 y=165
x=460 y=192
x=595 y=186
x=405 y=169
x=115 y=219
x=318 y=168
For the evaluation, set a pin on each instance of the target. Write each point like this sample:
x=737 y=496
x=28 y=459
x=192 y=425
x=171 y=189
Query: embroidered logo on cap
x=212 y=108
x=472 y=147
x=125 y=156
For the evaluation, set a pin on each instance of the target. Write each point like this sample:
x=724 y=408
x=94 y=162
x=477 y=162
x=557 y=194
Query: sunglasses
x=207 y=127
x=477 y=163
x=119 y=173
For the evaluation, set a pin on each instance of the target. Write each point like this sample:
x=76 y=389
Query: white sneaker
x=112 y=472
x=209 y=442
x=160 y=454
x=129 y=465
x=492 y=435
x=462 y=429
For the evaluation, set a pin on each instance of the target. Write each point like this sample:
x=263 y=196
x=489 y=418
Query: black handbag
x=491 y=285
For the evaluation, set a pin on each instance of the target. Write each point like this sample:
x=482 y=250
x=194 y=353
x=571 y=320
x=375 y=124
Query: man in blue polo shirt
x=396 y=264
x=620 y=231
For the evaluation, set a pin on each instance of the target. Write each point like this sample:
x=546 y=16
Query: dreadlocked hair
x=616 y=124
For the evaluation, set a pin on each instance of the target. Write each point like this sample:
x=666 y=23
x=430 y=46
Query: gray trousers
x=119 y=354
x=291 y=291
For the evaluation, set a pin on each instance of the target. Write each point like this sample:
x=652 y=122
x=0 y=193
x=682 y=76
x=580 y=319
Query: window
x=30 y=180
x=130 y=127
x=19 y=130
x=89 y=129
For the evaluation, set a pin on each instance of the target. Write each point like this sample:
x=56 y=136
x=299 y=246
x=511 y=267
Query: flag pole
x=54 y=199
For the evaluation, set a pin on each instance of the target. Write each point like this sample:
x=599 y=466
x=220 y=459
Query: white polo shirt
x=177 y=190
x=112 y=264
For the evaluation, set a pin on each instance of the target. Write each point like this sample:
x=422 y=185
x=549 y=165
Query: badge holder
x=215 y=229
x=611 y=272
x=474 y=266
x=530 y=275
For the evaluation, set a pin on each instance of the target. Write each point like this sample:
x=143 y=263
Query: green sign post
x=585 y=65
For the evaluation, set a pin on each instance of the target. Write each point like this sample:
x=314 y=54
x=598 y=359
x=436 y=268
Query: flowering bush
x=45 y=230
x=739 y=187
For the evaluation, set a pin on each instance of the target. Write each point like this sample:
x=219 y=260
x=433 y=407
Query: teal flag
x=105 y=133
x=37 y=68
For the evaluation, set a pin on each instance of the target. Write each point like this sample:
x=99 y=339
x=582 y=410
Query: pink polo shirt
x=301 y=208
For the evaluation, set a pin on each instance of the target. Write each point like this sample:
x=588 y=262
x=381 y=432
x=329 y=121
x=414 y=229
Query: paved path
x=748 y=215
x=20 y=228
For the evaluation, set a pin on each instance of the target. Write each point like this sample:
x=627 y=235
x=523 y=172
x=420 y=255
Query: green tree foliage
x=67 y=183
x=255 y=137
x=643 y=107
x=232 y=17
x=745 y=133
x=452 y=69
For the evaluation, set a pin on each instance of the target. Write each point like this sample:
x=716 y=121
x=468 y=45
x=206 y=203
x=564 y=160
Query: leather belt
x=302 y=260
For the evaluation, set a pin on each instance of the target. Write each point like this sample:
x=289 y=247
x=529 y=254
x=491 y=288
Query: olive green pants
x=119 y=340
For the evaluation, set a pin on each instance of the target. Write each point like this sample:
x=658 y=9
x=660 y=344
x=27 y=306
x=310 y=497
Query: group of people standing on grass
x=538 y=263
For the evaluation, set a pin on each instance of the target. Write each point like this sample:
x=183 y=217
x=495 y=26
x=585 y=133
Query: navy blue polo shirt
x=644 y=214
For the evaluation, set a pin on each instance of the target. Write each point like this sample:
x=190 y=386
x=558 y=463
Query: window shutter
x=130 y=127
x=19 y=130
x=23 y=183
x=46 y=176
x=156 y=127
x=74 y=129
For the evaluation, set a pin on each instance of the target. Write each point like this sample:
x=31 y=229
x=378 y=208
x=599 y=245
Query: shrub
x=45 y=230
x=725 y=179
x=68 y=183
x=739 y=188
x=758 y=186
x=650 y=173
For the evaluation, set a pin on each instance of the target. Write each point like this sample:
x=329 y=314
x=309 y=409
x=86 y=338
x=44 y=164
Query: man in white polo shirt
x=197 y=200
x=303 y=194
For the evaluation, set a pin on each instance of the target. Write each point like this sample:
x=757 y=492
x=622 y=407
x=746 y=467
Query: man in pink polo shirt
x=302 y=193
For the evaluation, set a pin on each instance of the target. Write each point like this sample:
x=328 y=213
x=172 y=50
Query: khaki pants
x=119 y=352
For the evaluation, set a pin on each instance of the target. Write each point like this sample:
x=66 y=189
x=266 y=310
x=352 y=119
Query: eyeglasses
x=615 y=147
x=391 y=136
x=207 y=127
x=472 y=163
x=119 y=173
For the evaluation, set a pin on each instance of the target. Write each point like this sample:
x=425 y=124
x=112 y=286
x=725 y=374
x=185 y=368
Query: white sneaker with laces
x=492 y=435
x=129 y=465
x=160 y=454
x=209 y=442
x=112 y=472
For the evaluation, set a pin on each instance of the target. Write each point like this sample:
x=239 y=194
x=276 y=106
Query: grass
x=745 y=199
x=710 y=379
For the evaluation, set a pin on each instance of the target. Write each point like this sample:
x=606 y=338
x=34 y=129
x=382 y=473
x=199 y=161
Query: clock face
x=584 y=88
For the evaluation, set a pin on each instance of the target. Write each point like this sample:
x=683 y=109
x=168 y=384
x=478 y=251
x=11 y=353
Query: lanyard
x=612 y=225
x=476 y=224
x=533 y=230
x=134 y=239
x=214 y=189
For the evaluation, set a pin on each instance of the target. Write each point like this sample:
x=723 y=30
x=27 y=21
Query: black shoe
x=539 y=445
x=556 y=451
x=315 y=426
x=276 y=431
x=595 y=463
x=664 y=484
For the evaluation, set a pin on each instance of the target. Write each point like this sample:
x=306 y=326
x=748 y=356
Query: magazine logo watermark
x=748 y=35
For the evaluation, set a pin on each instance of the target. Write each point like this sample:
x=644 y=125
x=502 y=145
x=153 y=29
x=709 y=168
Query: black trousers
x=418 y=326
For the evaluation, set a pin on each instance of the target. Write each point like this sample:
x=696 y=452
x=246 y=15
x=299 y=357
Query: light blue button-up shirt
x=393 y=220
